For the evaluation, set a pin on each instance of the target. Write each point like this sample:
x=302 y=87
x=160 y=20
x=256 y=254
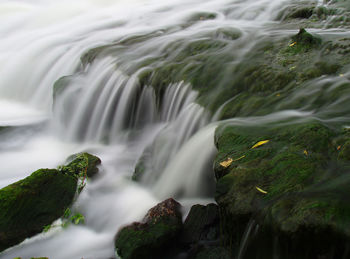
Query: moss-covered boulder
x=31 y=204
x=292 y=181
x=27 y=206
x=155 y=236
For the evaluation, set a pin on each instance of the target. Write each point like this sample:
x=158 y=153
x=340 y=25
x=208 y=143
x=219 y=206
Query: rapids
x=104 y=110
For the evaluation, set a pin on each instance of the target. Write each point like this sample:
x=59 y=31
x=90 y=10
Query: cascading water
x=100 y=105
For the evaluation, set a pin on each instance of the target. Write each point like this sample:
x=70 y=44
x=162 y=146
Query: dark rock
x=201 y=224
x=213 y=253
x=302 y=13
x=297 y=10
x=29 y=205
x=155 y=236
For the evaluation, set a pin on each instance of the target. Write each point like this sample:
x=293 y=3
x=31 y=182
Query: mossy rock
x=294 y=185
x=299 y=10
x=306 y=39
x=29 y=205
x=81 y=165
x=156 y=236
x=139 y=171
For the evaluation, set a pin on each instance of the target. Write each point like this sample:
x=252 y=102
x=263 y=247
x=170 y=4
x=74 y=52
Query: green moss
x=140 y=241
x=345 y=151
x=295 y=185
x=81 y=165
x=31 y=204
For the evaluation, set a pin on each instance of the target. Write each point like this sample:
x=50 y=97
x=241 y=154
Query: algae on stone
x=28 y=205
x=304 y=180
x=155 y=236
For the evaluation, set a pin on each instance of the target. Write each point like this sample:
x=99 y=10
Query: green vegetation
x=156 y=236
x=293 y=184
x=29 y=206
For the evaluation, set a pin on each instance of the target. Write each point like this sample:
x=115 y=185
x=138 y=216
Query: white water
x=104 y=110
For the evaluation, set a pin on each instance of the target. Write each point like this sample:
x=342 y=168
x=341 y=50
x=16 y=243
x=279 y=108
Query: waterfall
x=53 y=103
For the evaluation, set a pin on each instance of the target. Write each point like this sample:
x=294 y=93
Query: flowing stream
x=103 y=109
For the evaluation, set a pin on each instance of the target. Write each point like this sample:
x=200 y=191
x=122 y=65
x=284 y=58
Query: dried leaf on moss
x=261 y=190
x=227 y=162
x=260 y=143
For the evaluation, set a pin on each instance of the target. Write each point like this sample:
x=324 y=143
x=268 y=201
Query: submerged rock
x=154 y=236
x=31 y=204
x=292 y=181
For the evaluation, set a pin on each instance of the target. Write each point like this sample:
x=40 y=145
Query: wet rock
x=302 y=13
x=29 y=205
x=155 y=236
x=294 y=186
x=213 y=253
x=306 y=39
x=201 y=224
x=299 y=10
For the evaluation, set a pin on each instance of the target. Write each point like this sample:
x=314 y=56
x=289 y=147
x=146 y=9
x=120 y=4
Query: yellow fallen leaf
x=341 y=75
x=260 y=190
x=305 y=152
x=292 y=44
x=227 y=162
x=260 y=143
x=278 y=95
